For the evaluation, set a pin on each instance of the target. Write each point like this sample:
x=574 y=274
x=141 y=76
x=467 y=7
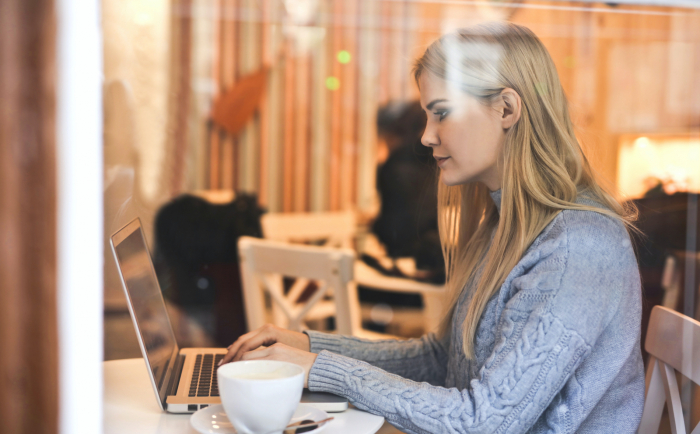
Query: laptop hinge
x=175 y=376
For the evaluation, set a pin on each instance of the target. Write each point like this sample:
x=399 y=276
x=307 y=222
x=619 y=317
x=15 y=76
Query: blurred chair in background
x=334 y=229
x=340 y=229
x=668 y=252
x=265 y=264
x=673 y=342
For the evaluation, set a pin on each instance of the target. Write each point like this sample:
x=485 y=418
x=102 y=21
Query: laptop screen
x=145 y=298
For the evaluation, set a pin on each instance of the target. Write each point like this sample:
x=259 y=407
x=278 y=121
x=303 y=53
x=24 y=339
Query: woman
x=543 y=331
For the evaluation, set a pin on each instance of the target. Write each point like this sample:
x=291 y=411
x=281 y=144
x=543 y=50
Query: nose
x=430 y=137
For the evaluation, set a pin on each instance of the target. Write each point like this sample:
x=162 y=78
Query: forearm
x=515 y=386
x=423 y=359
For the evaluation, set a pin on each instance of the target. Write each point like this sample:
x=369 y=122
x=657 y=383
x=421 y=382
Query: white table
x=130 y=406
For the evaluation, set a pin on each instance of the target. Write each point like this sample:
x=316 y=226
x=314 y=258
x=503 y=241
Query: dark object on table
x=197 y=256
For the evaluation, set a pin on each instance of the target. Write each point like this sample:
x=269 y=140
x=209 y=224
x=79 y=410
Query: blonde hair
x=544 y=167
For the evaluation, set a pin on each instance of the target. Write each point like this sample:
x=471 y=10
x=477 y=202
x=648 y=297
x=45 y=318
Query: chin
x=451 y=181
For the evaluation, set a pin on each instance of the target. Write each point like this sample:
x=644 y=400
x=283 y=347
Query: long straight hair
x=544 y=167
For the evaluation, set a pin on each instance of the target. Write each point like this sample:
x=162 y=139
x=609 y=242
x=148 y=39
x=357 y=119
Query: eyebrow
x=433 y=102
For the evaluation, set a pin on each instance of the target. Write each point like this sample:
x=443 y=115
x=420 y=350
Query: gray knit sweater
x=557 y=348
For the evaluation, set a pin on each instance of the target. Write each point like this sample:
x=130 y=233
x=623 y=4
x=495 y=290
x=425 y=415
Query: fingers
x=233 y=348
x=260 y=353
x=265 y=335
x=273 y=352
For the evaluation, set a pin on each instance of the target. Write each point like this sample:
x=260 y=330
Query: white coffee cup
x=260 y=396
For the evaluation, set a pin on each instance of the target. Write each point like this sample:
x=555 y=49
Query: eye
x=441 y=114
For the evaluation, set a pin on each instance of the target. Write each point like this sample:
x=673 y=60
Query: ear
x=509 y=105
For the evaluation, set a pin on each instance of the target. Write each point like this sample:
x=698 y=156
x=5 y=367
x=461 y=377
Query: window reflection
x=279 y=98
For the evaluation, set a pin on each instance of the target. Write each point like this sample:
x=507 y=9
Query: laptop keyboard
x=204 y=375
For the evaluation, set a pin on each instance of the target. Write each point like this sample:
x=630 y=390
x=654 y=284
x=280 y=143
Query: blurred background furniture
x=340 y=229
x=673 y=342
x=265 y=264
x=335 y=229
x=668 y=252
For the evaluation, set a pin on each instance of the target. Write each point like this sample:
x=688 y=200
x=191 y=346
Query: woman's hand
x=284 y=353
x=267 y=335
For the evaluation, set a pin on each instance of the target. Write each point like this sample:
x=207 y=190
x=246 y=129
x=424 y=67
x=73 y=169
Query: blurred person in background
x=406 y=183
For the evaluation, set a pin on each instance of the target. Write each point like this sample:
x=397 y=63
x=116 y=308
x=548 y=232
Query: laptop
x=183 y=379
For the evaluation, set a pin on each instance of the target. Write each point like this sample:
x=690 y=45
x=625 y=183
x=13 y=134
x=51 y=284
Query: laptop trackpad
x=324 y=401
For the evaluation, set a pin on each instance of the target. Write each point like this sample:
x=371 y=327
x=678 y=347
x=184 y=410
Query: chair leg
x=655 y=399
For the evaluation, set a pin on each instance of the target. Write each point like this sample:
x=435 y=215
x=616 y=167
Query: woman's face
x=466 y=136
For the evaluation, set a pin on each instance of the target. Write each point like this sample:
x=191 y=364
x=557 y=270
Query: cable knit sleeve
x=559 y=300
x=423 y=359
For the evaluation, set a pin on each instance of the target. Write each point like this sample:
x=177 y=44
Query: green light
x=332 y=83
x=344 y=56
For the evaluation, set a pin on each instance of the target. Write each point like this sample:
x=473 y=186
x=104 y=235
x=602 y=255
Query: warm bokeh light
x=344 y=57
x=647 y=162
x=332 y=83
x=641 y=143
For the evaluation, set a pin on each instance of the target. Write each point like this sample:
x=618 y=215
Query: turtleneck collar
x=496 y=196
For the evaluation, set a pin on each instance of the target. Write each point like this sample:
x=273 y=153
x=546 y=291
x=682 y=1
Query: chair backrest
x=673 y=342
x=264 y=264
x=335 y=228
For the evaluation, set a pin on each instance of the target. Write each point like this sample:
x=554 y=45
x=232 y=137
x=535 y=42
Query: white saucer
x=213 y=419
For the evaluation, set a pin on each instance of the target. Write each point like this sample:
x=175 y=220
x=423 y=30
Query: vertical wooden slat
x=289 y=129
x=263 y=162
x=250 y=61
x=348 y=90
x=397 y=56
x=214 y=158
x=214 y=142
x=28 y=308
x=276 y=108
x=336 y=115
x=182 y=27
x=368 y=60
x=385 y=49
x=413 y=48
x=301 y=134
x=229 y=63
x=320 y=125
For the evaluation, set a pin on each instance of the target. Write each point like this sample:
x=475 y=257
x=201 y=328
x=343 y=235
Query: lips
x=441 y=160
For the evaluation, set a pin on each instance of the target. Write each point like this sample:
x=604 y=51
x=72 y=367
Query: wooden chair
x=336 y=229
x=673 y=342
x=264 y=264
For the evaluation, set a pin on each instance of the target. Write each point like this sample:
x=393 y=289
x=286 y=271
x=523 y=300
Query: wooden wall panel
x=320 y=121
x=335 y=45
x=249 y=45
x=349 y=104
x=368 y=62
x=266 y=46
x=28 y=278
x=288 y=132
x=302 y=136
x=275 y=98
x=180 y=95
x=624 y=69
x=230 y=37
